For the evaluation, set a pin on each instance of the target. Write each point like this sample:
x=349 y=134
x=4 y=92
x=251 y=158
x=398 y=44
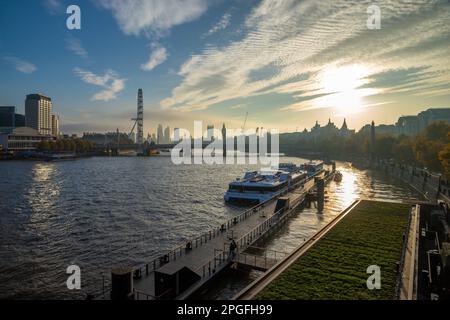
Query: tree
x=403 y=150
x=43 y=146
x=437 y=132
x=444 y=158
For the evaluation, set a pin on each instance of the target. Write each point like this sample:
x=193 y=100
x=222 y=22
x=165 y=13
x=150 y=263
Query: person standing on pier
x=233 y=247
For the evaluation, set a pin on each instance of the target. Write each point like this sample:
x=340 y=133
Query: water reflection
x=43 y=194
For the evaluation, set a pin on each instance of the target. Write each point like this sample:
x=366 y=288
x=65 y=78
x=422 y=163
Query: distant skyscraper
x=210 y=132
x=160 y=135
x=55 y=125
x=38 y=113
x=176 y=135
x=224 y=139
x=167 y=135
x=140 y=118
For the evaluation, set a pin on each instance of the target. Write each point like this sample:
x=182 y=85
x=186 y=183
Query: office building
x=176 y=135
x=414 y=125
x=167 y=135
x=160 y=135
x=38 y=113
x=55 y=125
x=210 y=132
x=7 y=118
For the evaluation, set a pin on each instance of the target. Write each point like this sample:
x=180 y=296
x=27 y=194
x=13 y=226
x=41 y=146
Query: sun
x=342 y=88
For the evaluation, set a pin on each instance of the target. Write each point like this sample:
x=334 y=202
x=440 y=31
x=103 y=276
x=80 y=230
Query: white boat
x=313 y=167
x=258 y=187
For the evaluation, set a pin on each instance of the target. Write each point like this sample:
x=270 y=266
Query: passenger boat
x=313 y=167
x=260 y=186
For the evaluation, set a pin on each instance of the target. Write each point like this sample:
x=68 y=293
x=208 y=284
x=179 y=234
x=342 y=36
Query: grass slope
x=335 y=267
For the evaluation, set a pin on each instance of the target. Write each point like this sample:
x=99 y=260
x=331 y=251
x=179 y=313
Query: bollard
x=122 y=283
x=320 y=194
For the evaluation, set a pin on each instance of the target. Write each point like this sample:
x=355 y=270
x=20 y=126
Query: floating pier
x=182 y=271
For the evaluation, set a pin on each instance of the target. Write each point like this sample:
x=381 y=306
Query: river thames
x=101 y=212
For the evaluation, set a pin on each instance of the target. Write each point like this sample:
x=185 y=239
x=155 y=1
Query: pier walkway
x=184 y=270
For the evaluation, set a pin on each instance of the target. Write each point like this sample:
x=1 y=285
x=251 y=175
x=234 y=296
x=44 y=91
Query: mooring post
x=320 y=194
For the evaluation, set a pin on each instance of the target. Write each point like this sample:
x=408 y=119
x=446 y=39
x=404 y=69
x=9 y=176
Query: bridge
x=115 y=148
x=182 y=271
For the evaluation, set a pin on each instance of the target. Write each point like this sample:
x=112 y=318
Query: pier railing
x=191 y=244
x=406 y=237
x=209 y=268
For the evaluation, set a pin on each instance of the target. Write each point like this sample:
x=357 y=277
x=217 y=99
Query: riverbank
x=335 y=267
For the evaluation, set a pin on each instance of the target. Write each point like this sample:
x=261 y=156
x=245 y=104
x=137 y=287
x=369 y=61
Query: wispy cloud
x=21 y=65
x=288 y=44
x=153 y=16
x=74 y=44
x=110 y=81
x=53 y=6
x=153 y=19
x=157 y=57
x=221 y=25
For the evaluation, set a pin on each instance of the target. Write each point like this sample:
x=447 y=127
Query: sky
x=287 y=63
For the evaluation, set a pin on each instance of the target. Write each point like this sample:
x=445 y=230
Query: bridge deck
x=209 y=255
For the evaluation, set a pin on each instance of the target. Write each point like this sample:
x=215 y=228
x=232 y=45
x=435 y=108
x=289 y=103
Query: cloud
x=157 y=57
x=73 y=44
x=52 y=6
x=112 y=83
x=221 y=25
x=288 y=44
x=153 y=16
x=21 y=65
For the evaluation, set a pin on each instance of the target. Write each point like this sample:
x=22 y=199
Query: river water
x=98 y=213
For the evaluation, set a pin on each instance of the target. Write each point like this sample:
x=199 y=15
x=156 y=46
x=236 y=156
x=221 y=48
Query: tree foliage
x=65 y=145
x=430 y=149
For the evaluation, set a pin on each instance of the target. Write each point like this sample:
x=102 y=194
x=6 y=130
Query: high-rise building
x=38 y=113
x=7 y=118
x=160 y=135
x=224 y=139
x=176 y=135
x=167 y=135
x=55 y=125
x=210 y=132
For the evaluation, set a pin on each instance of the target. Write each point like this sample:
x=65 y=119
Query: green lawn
x=335 y=267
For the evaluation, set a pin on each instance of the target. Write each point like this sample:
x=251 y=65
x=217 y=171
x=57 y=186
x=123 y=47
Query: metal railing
x=209 y=268
x=173 y=254
x=267 y=259
x=398 y=282
x=211 y=234
x=138 y=294
x=424 y=181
